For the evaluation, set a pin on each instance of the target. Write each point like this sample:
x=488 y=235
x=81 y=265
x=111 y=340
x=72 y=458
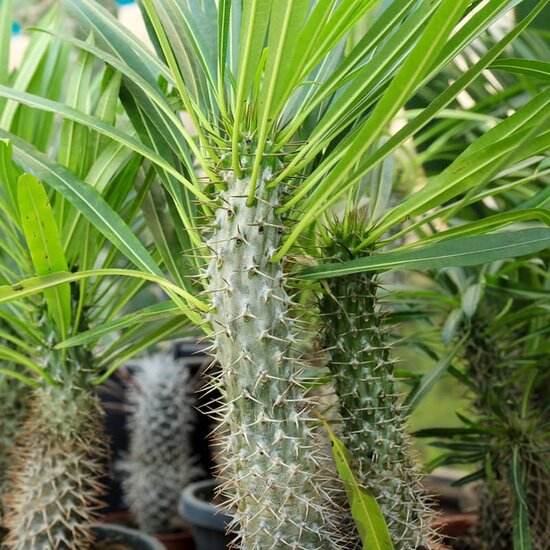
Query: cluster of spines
x=355 y=336
x=13 y=410
x=161 y=461
x=55 y=489
x=275 y=476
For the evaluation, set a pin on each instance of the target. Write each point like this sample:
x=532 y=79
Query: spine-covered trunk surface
x=13 y=409
x=373 y=421
x=55 y=487
x=272 y=470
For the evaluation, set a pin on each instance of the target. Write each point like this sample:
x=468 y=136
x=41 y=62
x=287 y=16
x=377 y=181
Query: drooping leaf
x=36 y=285
x=151 y=313
x=470 y=299
x=366 y=512
x=87 y=200
x=532 y=68
x=430 y=378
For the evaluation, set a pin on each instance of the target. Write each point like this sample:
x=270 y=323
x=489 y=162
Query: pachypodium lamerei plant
x=502 y=316
x=287 y=121
x=57 y=464
x=355 y=335
x=161 y=460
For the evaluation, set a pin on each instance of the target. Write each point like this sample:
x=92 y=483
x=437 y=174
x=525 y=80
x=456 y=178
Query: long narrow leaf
x=457 y=252
x=87 y=200
x=45 y=246
x=522 y=535
x=366 y=512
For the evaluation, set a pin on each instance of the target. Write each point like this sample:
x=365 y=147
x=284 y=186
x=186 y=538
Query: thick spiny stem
x=273 y=470
x=55 y=488
x=14 y=397
x=373 y=422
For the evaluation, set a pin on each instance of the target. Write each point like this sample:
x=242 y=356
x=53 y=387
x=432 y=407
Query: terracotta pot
x=182 y=540
x=453 y=526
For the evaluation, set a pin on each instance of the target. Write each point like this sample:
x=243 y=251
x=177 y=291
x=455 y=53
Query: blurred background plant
x=161 y=460
x=501 y=316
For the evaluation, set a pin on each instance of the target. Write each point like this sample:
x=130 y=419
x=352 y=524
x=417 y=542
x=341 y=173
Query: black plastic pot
x=128 y=537
x=207 y=522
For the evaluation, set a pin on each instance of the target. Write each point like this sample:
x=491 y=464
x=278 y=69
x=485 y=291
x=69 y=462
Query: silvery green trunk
x=272 y=470
x=373 y=421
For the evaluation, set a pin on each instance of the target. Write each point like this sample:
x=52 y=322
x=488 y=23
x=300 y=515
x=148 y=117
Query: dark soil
x=111 y=545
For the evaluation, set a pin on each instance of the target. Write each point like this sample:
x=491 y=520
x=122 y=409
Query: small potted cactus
x=161 y=460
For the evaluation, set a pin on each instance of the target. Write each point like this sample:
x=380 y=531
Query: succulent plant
x=161 y=460
x=61 y=473
x=503 y=320
x=270 y=449
x=287 y=113
x=14 y=396
x=54 y=472
x=356 y=337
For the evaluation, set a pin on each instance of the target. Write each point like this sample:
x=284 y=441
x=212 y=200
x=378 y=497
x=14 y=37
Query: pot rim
x=197 y=511
x=153 y=543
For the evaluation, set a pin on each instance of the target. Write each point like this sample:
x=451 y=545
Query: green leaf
x=366 y=512
x=478 y=163
x=45 y=246
x=527 y=67
x=6 y=18
x=101 y=127
x=409 y=75
x=457 y=252
x=86 y=200
x=14 y=357
x=8 y=180
x=158 y=334
x=35 y=53
x=285 y=23
x=319 y=204
x=522 y=535
x=105 y=110
x=470 y=299
x=21 y=377
x=484 y=225
x=36 y=285
x=119 y=40
x=451 y=325
x=151 y=313
x=156 y=213
x=285 y=26
x=430 y=378
x=255 y=19
x=73 y=140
